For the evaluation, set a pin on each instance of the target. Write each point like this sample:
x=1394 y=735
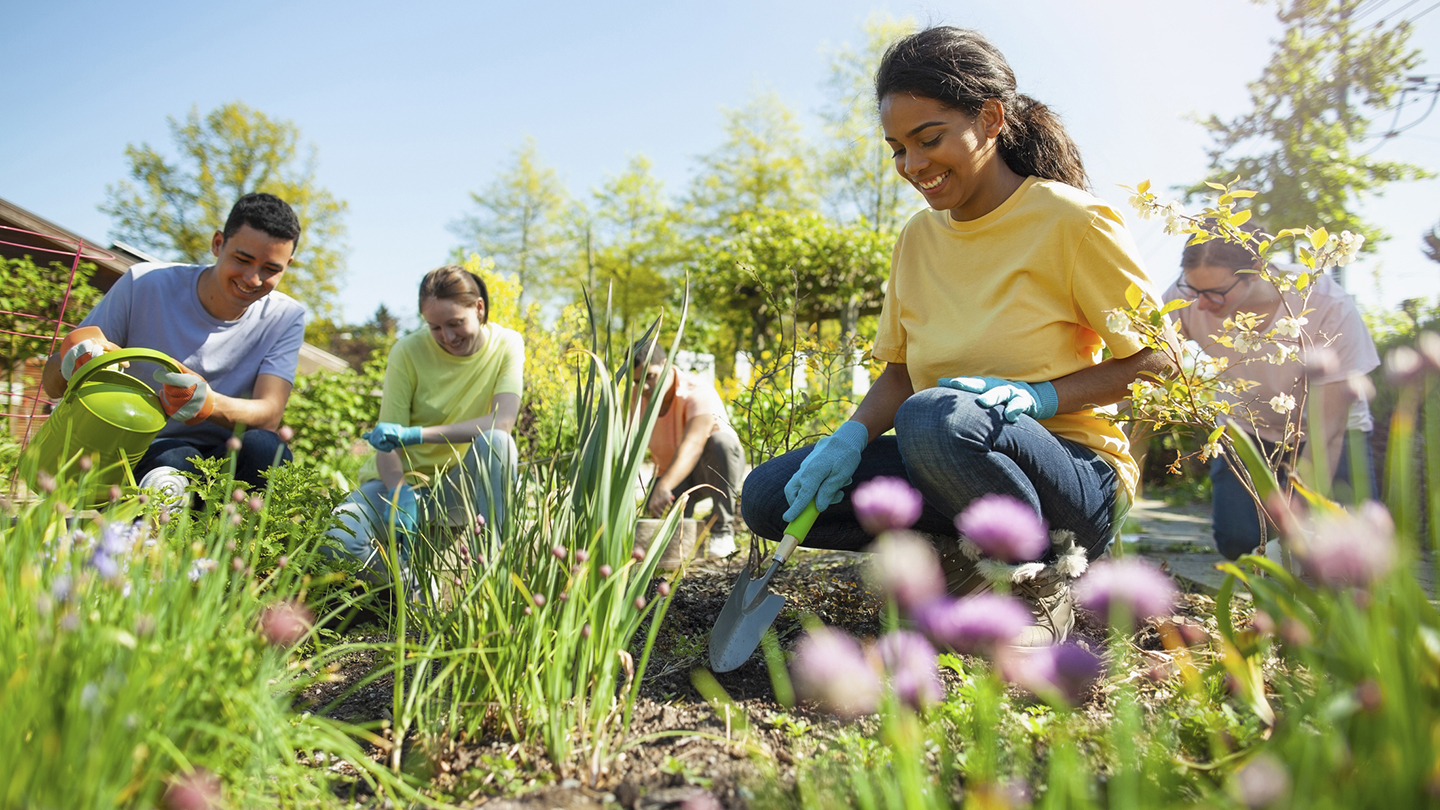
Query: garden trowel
x=752 y=608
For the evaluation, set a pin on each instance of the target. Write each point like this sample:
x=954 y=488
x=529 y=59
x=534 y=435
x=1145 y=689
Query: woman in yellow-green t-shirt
x=443 y=446
x=992 y=331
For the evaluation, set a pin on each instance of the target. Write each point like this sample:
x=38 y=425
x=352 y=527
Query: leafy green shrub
x=330 y=413
x=40 y=290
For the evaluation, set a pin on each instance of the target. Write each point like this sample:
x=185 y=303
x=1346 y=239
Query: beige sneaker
x=1045 y=588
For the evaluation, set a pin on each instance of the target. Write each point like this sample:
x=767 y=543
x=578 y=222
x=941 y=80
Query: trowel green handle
x=795 y=533
x=112 y=358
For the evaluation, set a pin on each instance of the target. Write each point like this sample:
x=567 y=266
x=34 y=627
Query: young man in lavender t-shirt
x=238 y=340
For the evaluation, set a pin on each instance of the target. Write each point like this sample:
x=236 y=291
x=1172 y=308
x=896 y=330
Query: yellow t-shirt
x=1020 y=293
x=426 y=386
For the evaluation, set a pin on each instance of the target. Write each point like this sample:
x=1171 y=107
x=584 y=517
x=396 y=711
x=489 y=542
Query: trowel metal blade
x=747 y=614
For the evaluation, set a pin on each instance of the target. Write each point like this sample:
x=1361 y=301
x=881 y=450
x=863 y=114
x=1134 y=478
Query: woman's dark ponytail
x=961 y=69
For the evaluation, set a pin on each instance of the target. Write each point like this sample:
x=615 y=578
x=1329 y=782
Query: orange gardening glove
x=185 y=395
x=81 y=346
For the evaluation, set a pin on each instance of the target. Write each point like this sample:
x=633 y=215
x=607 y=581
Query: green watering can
x=106 y=415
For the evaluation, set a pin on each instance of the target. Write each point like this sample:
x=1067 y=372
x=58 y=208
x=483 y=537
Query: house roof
x=44 y=241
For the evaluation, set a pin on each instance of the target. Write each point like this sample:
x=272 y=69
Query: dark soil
x=664 y=767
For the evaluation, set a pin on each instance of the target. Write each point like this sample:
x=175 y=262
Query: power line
x=1423 y=13
x=1374 y=4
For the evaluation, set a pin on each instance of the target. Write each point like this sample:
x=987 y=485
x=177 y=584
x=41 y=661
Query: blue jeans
x=954 y=451
x=476 y=486
x=1234 y=518
x=259 y=451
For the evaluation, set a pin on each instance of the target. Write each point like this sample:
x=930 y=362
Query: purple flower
x=910 y=661
x=1349 y=548
x=885 y=503
x=974 y=624
x=118 y=538
x=1142 y=589
x=1263 y=782
x=1064 y=671
x=830 y=669
x=1004 y=528
x=906 y=566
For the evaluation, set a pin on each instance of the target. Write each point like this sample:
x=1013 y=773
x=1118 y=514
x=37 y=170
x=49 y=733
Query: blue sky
x=411 y=109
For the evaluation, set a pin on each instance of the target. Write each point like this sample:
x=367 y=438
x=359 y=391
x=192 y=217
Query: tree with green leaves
x=172 y=205
x=773 y=263
x=1431 y=238
x=762 y=163
x=862 y=184
x=524 y=223
x=1305 y=144
x=635 y=243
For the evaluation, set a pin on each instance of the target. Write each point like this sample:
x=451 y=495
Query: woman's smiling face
x=944 y=153
x=454 y=326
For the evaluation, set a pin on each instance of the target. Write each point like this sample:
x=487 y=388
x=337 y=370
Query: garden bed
x=679 y=748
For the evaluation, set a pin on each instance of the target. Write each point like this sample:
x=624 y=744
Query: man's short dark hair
x=646 y=353
x=263 y=212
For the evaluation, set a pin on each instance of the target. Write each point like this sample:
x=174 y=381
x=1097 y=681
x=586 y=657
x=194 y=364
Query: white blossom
x=200 y=566
x=1290 y=327
x=1282 y=403
x=1117 y=321
x=1174 y=218
x=1246 y=342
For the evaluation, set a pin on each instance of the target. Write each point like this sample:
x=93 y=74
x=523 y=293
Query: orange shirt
x=693 y=397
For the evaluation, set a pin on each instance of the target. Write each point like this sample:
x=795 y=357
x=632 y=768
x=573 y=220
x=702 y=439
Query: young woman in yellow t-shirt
x=451 y=397
x=992 y=331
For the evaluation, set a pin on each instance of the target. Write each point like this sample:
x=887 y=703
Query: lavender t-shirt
x=157 y=306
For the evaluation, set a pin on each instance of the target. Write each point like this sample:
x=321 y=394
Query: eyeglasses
x=1216 y=297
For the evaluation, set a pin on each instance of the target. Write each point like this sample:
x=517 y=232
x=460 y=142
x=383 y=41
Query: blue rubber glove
x=389 y=436
x=827 y=470
x=402 y=510
x=1038 y=400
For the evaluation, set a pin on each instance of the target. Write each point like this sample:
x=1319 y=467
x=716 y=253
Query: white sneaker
x=720 y=545
x=170 y=485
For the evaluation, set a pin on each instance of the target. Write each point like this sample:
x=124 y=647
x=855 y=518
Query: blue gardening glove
x=1035 y=399
x=826 y=470
x=403 y=510
x=390 y=436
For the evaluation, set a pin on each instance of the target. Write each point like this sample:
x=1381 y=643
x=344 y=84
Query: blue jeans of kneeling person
x=1236 y=520
x=954 y=451
x=259 y=451
x=475 y=486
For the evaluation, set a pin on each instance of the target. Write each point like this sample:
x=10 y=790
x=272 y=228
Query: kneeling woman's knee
x=762 y=498
x=497 y=449
x=929 y=416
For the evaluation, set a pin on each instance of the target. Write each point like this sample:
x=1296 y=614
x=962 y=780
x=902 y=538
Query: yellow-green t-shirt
x=1020 y=293
x=426 y=386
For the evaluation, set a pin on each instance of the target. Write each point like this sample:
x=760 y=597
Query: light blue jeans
x=954 y=451
x=1236 y=521
x=475 y=486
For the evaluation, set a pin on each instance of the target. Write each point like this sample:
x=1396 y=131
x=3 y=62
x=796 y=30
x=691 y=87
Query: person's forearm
x=503 y=415
x=687 y=455
x=391 y=469
x=261 y=414
x=1329 y=405
x=877 y=410
x=1106 y=382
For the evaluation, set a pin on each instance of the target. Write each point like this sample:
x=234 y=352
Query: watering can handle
x=124 y=355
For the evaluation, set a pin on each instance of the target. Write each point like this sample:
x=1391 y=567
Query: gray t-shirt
x=157 y=306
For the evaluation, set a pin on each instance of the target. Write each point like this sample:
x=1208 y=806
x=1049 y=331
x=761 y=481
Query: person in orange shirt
x=692 y=444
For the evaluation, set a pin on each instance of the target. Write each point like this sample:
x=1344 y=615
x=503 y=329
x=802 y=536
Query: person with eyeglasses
x=1335 y=352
